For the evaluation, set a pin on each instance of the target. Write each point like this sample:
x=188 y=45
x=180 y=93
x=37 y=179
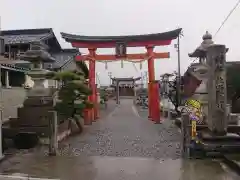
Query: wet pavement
x=122 y=145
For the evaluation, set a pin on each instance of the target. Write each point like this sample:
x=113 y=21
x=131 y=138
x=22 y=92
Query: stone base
x=230 y=143
x=228 y=137
x=233 y=118
x=2 y=158
x=60 y=137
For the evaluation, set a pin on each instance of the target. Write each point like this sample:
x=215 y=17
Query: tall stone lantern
x=38 y=107
x=38 y=55
x=200 y=71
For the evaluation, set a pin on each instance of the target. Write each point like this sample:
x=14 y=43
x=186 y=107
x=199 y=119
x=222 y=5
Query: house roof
x=5 y=63
x=25 y=36
x=63 y=58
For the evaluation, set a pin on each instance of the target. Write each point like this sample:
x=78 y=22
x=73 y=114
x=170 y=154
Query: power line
x=223 y=22
x=229 y=14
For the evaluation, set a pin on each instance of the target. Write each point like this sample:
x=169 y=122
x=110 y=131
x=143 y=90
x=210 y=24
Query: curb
x=233 y=165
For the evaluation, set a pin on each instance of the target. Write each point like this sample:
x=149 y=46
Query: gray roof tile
x=23 y=39
x=62 y=58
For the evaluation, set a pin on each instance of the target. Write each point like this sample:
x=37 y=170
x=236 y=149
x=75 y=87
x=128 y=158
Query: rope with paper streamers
x=127 y=60
x=140 y=61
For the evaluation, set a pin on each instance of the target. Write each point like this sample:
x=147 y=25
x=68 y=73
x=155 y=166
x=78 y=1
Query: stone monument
x=216 y=86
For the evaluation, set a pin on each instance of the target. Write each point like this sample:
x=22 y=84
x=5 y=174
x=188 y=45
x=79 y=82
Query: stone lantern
x=38 y=108
x=201 y=50
x=200 y=71
x=207 y=71
x=38 y=55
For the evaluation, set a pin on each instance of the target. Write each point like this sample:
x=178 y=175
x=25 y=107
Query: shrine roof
x=169 y=35
x=126 y=79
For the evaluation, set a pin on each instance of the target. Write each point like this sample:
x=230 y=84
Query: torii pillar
x=92 y=114
x=153 y=88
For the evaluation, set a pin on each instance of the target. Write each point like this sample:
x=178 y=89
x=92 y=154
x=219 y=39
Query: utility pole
x=179 y=72
x=146 y=76
x=98 y=79
x=178 y=91
x=110 y=77
x=142 y=80
x=1 y=103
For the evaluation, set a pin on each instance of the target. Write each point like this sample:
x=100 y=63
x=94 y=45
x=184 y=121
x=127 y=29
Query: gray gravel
x=126 y=133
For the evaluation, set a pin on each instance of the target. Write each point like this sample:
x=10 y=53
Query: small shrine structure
x=124 y=87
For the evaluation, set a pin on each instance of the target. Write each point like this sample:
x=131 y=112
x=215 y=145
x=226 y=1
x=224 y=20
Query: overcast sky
x=129 y=17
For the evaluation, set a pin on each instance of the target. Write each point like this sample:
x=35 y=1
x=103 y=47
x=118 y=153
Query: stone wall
x=11 y=100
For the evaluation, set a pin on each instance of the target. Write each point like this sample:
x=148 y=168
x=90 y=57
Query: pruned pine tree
x=73 y=93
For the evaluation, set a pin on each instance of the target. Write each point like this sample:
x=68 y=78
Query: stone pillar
x=135 y=93
x=185 y=141
x=149 y=102
x=155 y=102
x=168 y=100
x=217 y=96
x=117 y=92
x=7 y=79
x=53 y=130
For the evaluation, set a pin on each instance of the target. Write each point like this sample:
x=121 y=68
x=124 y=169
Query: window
x=50 y=66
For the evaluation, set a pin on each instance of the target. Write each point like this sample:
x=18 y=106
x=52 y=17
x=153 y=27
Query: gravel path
x=125 y=133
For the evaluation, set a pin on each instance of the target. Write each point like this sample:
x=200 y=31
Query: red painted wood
x=106 y=57
x=156 y=102
x=92 y=66
x=149 y=102
x=113 y=44
x=151 y=77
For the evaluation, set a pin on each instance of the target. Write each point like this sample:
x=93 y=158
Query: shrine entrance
x=124 y=87
x=120 y=43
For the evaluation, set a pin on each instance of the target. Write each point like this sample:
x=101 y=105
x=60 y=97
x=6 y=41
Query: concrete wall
x=11 y=100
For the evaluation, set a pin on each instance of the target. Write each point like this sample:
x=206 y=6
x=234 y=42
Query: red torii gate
x=121 y=43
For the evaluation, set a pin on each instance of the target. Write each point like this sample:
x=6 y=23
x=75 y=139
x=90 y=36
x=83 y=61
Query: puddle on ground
x=109 y=168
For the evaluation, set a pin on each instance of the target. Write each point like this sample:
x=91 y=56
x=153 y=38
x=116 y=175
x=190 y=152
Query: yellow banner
x=194 y=103
x=194 y=129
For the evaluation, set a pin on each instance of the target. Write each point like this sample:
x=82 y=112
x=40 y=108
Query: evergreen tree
x=73 y=93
